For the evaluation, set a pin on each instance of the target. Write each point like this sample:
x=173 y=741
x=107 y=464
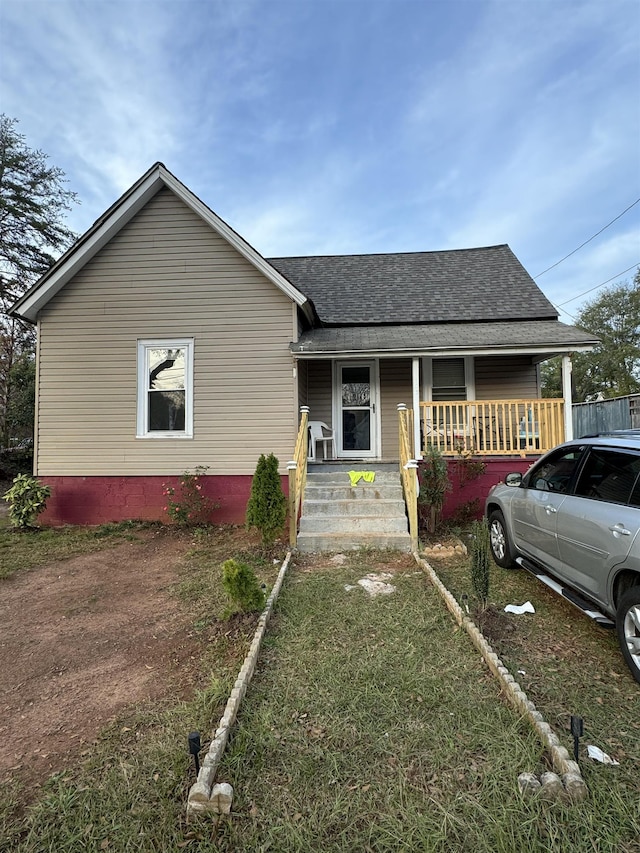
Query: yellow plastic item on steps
x=356 y=476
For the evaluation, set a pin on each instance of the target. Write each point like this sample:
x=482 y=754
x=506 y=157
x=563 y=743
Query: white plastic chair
x=320 y=433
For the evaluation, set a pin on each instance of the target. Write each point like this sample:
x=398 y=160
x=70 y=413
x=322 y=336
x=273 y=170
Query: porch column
x=566 y=393
x=415 y=384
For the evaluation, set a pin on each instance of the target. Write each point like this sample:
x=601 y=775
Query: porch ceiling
x=541 y=338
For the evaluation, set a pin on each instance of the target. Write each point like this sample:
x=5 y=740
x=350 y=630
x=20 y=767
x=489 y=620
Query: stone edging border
x=204 y=795
x=569 y=771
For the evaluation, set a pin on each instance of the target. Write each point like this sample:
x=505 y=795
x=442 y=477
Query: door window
x=356 y=412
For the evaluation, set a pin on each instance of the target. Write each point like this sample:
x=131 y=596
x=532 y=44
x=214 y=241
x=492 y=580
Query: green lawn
x=370 y=725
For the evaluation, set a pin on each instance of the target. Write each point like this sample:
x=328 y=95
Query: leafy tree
x=613 y=368
x=22 y=378
x=33 y=203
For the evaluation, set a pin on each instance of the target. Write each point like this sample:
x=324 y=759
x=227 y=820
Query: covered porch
x=487 y=405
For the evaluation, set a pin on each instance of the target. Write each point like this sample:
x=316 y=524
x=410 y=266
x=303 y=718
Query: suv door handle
x=550 y=510
x=618 y=528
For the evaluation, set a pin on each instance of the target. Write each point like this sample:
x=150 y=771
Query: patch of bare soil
x=82 y=639
x=494 y=624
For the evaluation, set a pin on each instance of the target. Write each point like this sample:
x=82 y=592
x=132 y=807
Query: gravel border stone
x=205 y=796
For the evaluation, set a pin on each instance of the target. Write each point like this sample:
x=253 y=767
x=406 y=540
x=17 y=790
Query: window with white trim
x=449 y=379
x=165 y=388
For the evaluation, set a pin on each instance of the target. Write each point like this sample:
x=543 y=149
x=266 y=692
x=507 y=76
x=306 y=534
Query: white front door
x=356 y=409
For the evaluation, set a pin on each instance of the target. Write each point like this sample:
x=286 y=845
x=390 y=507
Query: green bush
x=267 y=507
x=15 y=460
x=187 y=505
x=241 y=585
x=434 y=485
x=480 y=561
x=27 y=498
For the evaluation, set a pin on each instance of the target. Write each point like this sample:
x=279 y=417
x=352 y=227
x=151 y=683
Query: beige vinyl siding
x=319 y=391
x=395 y=387
x=503 y=378
x=165 y=275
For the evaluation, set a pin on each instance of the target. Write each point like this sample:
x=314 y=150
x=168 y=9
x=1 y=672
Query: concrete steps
x=337 y=516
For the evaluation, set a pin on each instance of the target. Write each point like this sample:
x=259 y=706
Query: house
x=166 y=342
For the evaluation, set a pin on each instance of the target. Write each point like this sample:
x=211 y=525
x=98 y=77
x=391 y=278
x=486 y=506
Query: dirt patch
x=494 y=624
x=82 y=639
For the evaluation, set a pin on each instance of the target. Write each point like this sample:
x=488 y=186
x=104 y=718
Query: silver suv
x=573 y=520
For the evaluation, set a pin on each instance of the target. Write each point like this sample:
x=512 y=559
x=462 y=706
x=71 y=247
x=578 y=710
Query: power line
x=588 y=241
x=566 y=302
x=561 y=311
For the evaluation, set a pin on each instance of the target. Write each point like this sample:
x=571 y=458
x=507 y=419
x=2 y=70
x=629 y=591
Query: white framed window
x=165 y=388
x=449 y=378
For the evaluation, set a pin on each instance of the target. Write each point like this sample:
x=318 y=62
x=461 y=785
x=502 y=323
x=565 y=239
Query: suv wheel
x=501 y=548
x=628 y=628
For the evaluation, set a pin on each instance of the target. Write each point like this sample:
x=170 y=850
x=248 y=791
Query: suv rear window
x=610 y=475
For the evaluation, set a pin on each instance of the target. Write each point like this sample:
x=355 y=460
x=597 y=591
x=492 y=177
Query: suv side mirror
x=513 y=479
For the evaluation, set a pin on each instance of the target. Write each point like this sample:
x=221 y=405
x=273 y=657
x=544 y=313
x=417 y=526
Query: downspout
x=566 y=393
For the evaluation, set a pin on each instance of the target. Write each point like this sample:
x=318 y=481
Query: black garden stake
x=577 y=730
x=194 y=748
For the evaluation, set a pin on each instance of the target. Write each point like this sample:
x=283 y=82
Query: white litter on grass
x=374 y=584
x=598 y=755
x=519 y=609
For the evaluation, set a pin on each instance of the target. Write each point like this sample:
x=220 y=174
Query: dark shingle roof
x=457 y=285
x=533 y=335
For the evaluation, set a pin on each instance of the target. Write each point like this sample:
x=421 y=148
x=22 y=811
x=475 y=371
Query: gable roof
x=116 y=217
x=452 y=286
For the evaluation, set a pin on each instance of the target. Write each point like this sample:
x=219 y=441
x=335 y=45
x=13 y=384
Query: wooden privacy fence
x=492 y=427
x=603 y=415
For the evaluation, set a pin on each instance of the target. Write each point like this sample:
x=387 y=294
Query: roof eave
x=541 y=353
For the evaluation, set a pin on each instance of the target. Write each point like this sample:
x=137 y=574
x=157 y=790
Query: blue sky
x=348 y=126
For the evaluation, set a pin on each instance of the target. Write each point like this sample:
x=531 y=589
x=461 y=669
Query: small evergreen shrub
x=27 y=498
x=186 y=504
x=267 y=507
x=241 y=585
x=480 y=561
x=434 y=485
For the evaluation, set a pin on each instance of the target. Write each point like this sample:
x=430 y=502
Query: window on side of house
x=448 y=379
x=165 y=389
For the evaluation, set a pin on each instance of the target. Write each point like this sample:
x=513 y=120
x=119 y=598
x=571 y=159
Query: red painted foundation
x=495 y=471
x=97 y=500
